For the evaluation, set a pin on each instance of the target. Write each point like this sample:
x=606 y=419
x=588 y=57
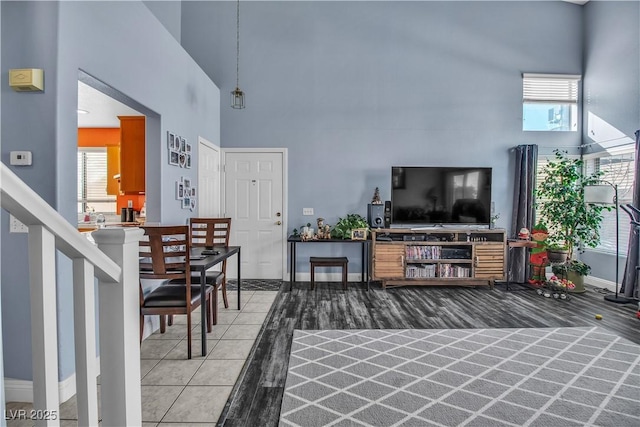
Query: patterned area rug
x=255 y=285
x=462 y=377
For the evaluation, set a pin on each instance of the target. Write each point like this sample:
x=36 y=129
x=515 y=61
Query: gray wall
x=352 y=88
x=2 y=394
x=19 y=112
x=125 y=46
x=168 y=13
x=612 y=88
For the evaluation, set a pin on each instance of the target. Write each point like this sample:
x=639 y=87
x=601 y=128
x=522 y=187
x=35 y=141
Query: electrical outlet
x=307 y=211
x=15 y=226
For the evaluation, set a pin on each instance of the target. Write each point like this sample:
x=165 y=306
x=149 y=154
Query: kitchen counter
x=84 y=227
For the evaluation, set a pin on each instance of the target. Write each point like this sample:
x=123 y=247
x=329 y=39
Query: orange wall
x=98 y=137
x=123 y=201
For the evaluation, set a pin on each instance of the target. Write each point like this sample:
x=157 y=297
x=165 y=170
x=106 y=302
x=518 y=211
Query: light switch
x=20 y=158
x=307 y=211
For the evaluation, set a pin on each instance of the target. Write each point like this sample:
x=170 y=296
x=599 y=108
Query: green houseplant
x=573 y=224
x=342 y=229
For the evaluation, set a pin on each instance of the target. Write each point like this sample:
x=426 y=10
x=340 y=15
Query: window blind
x=619 y=170
x=550 y=88
x=92 y=179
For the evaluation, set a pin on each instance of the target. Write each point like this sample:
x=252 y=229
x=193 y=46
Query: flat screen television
x=428 y=196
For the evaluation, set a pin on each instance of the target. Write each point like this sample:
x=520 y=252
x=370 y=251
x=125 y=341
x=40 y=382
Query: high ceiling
x=102 y=110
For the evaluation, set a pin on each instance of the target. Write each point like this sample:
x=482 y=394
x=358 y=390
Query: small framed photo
x=171 y=141
x=193 y=192
x=188 y=165
x=193 y=204
x=183 y=145
x=187 y=183
x=174 y=158
x=188 y=148
x=186 y=203
x=182 y=160
x=359 y=234
x=179 y=191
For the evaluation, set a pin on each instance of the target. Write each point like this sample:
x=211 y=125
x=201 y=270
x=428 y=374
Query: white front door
x=208 y=179
x=254 y=199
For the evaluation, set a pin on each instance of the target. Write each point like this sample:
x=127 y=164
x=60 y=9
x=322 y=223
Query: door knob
x=278 y=222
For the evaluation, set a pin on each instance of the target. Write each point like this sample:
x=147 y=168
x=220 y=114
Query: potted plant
x=574 y=270
x=573 y=224
x=557 y=253
x=342 y=229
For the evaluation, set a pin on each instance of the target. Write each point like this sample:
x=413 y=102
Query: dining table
x=202 y=259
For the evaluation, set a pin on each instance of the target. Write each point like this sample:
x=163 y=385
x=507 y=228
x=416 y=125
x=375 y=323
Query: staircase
x=114 y=262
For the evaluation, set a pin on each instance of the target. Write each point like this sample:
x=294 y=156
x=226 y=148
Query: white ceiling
x=103 y=111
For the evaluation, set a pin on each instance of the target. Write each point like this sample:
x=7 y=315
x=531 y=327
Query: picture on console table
x=359 y=234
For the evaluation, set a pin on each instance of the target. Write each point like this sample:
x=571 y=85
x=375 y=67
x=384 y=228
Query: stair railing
x=114 y=262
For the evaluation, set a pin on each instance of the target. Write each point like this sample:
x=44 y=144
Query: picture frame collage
x=179 y=150
x=186 y=193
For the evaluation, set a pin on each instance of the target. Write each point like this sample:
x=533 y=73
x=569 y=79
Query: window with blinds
x=550 y=102
x=92 y=182
x=618 y=169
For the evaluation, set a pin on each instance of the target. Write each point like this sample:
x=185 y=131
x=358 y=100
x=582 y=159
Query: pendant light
x=237 y=96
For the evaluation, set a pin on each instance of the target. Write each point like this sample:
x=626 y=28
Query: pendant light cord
x=237 y=44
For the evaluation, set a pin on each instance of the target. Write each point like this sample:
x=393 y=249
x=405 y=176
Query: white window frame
x=93 y=195
x=555 y=91
x=623 y=177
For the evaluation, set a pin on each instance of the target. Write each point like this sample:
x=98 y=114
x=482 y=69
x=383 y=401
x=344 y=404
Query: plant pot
x=557 y=256
x=577 y=280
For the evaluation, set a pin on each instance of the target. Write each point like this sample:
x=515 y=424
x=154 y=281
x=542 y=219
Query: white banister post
x=44 y=330
x=120 y=330
x=84 y=317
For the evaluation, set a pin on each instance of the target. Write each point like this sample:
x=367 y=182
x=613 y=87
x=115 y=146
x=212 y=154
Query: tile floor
x=177 y=391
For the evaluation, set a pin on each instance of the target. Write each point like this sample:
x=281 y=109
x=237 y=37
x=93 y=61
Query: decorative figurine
x=538 y=258
x=524 y=234
x=324 y=230
x=376 y=197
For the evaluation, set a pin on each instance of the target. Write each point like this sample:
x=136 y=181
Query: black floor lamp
x=601 y=194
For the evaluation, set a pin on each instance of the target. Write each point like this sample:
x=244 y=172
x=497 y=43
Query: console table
x=293 y=241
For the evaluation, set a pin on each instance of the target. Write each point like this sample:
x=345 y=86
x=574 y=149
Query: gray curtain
x=522 y=215
x=630 y=279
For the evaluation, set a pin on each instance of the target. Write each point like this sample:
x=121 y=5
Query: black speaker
x=375 y=215
x=387 y=214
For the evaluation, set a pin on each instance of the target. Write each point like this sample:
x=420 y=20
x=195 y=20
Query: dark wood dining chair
x=164 y=255
x=209 y=233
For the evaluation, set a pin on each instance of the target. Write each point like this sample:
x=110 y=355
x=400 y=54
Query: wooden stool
x=329 y=262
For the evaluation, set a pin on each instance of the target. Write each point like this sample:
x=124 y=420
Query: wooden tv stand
x=438 y=256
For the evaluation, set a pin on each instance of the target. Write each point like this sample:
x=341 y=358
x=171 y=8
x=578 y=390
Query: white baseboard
x=18 y=390
x=600 y=283
x=22 y=390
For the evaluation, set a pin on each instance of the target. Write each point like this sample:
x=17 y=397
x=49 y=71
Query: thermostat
x=20 y=158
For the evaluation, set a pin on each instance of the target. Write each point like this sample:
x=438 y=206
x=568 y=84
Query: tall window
x=617 y=169
x=550 y=102
x=92 y=181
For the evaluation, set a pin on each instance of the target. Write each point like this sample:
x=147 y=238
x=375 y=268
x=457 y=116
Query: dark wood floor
x=256 y=399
